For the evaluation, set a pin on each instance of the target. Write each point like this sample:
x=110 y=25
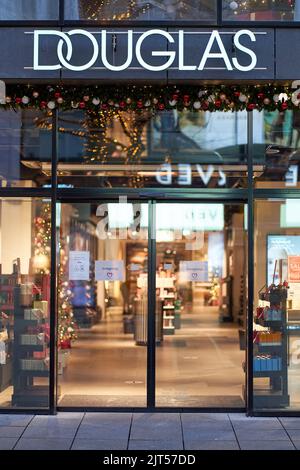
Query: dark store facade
x=149 y=205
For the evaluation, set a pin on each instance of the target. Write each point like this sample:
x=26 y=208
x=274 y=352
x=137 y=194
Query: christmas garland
x=192 y=98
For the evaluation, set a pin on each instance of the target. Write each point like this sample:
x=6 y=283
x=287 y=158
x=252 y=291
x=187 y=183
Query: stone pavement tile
x=100 y=444
x=57 y=430
x=296 y=443
x=15 y=420
x=102 y=431
x=261 y=435
x=211 y=445
x=266 y=445
x=294 y=434
x=8 y=443
x=151 y=426
x=11 y=431
x=257 y=424
x=290 y=423
x=61 y=443
x=65 y=418
x=206 y=425
x=208 y=435
x=155 y=445
x=107 y=418
x=205 y=417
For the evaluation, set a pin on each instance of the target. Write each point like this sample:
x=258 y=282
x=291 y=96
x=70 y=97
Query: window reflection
x=126 y=10
x=25 y=148
x=276 y=310
x=277 y=148
x=25 y=230
x=28 y=9
x=136 y=149
x=261 y=10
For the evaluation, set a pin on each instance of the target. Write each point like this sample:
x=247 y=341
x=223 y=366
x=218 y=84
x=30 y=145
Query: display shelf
x=25 y=391
x=268 y=373
x=276 y=395
x=274 y=324
x=34 y=373
x=7 y=284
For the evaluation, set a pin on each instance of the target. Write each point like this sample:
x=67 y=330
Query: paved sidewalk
x=148 y=431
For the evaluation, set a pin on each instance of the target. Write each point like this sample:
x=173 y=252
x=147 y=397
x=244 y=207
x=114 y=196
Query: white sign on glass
x=109 y=270
x=195 y=271
x=79 y=266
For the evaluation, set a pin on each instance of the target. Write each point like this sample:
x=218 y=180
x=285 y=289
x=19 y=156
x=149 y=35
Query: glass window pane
x=253 y=10
x=141 y=10
x=200 y=305
x=29 y=9
x=102 y=304
x=276 y=149
x=277 y=305
x=25 y=230
x=175 y=149
x=25 y=148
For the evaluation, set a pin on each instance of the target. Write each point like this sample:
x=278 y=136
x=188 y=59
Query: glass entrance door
x=102 y=304
x=187 y=281
x=201 y=252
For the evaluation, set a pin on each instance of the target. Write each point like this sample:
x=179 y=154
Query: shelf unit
x=167 y=296
x=276 y=394
x=7 y=284
x=26 y=393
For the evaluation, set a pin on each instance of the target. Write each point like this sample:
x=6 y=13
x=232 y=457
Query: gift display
x=30 y=347
x=270 y=360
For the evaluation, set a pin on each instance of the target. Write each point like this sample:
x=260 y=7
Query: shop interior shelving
x=28 y=391
x=276 y=394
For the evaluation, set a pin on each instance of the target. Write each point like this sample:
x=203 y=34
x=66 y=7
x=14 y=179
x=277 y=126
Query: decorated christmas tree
x=66 y=325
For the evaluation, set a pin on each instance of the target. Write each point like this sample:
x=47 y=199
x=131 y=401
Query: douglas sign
x=154 y=50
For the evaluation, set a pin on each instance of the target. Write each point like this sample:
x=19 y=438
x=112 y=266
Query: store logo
x=214 y=49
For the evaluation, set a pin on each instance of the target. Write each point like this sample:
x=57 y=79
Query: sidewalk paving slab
x=140 y=444
x=99 y=444
x=8 y=443
x=61 y=443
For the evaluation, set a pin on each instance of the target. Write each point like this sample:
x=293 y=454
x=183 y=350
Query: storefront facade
x=149 y=232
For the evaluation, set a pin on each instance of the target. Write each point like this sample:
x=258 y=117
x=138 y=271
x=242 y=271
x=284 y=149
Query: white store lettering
x=214 y=49
x=167 y=174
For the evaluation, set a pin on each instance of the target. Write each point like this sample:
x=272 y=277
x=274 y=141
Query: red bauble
x=65 y=344
x=161 y=106
x=122 y=104
x=175 y=97
x=205 y=106
x=251 y=106
x=57 y=95
x=103 y=106
x=43 y=104
x=260 y=96
x=82 y=105
x=18 y=100
x=186 y=98
x=139 y=104
x=218 y=103
x=284 y=106
x=237 y=93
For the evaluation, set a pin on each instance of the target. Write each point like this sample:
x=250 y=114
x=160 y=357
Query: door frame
x=151 y=197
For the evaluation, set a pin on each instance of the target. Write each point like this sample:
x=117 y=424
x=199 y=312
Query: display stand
x=27 y=346
x=7 y=284
x=271 y=350
x=167 y=295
